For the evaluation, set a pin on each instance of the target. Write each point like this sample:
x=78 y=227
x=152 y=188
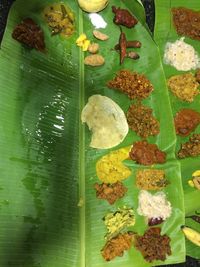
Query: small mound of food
x=147 y=154
x=106 y=120
x=110 y=168
x=153 y=245
x=181 y=55
x=30 y=34
x=116 y=246
x=141 y=121
x=110 y=192
x=186 y=120
x=151 y=179
x=184 y=86
x=135 y=85
x=190 y=148
x=154 y=206
x=60 y=19
x=118 y=221
x=187 y=22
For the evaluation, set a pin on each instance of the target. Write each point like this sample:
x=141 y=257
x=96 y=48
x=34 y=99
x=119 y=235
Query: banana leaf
x=50 y=215
x=165 y=32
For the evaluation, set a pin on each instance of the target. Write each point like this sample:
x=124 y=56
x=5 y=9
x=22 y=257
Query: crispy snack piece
x=141 y=120
x=184 y=86
x=93 y=48
x=30 y=34
x=153 y=245
x=116 y=246
x=94 y=60
x=147 y=154
x=151 y=179
x=187 y=22
x=110 y=192
x=135 y=85
x=190 y=148
x=100 y=36
x=186 y=120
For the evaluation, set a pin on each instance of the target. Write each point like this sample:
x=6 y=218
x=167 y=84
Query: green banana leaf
x=49 y=212
x=165 y=32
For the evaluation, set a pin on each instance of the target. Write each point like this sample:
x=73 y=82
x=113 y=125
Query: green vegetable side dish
x=165 y=32
x=53 y=217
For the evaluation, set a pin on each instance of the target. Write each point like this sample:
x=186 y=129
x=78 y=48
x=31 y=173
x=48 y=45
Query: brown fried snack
x=147 y=154
x=190 y=148
x=30 y=34
x=124 y=17
x=116 y=246
x=152 y=245
x=141 y=120
x=187 y=22
x=186 y=120
x=151 y=179
x=135 y=85
x=110 y=192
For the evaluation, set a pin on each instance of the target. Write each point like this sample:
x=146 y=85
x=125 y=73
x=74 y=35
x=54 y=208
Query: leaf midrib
x=81 y=148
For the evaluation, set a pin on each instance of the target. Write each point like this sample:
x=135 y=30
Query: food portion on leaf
x=60 y=19
x=181 y=55
x=135 y=85
x=141 y=120
x=186 y=121
x=151 y=179
x=184 y=86
x=117 y=246
x=110 y=168
x=118 y=221
x=124 y=17
x=154 y=205
x=92 y=6
x=83 y=42
x=100 y=36
x=94 y=60
x=110 y=192
x=186 y=22
x=192 y=235
x=30 y=34
x=190 y=148
x=97 y=21
x=195 y=181
x=195 y=217
x=146 y=154
x=106 y=120
x=153 y=245
x=93 y=48
x=123 y=45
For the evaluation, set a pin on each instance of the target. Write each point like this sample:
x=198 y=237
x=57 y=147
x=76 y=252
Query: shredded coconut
x=97 y=21
x=154 y=206
x=181 y=55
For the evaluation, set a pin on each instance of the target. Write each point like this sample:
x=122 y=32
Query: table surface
x=150 y=17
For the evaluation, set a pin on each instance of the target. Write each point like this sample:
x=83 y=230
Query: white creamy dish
x=181 y=55
x=154 y=206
